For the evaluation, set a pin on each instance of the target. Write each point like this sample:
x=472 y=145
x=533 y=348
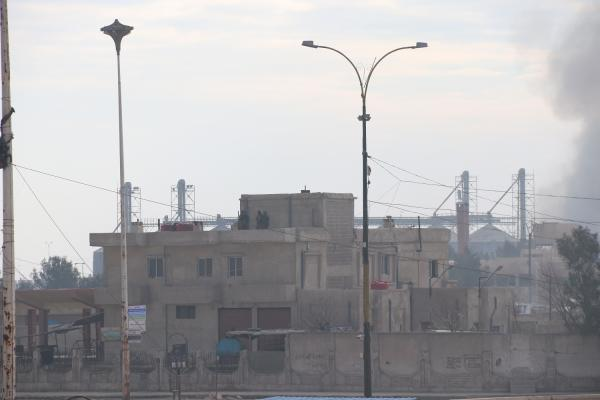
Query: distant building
x=98 y=262
x=489 y=240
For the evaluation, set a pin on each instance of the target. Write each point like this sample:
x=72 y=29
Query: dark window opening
x=235 y=266
x=155 y=267
x=185 y=312
x=205 y=267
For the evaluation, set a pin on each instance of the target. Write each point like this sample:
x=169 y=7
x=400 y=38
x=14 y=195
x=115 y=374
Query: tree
x=56 y=273
x=90 y=281
x=466 y=272
x=25 y=284
x=580 y=304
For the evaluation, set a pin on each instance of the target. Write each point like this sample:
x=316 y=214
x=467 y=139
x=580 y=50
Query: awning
x=99 y=317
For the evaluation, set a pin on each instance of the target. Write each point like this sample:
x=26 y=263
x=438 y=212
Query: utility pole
x=8 y=235
x=550 y=296
x=529 y=271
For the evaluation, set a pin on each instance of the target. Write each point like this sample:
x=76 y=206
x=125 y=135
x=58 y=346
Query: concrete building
x=403 y=256
x=291 y=261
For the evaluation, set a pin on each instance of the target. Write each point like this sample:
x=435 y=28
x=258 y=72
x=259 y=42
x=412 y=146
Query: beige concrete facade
x=309 y=245
x=275 y=265
x=403 y=255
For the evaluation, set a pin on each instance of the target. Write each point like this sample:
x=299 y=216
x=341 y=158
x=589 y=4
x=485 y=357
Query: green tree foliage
x=56 y=273
x=25 y=284
x=90 y=281
x=579 y=303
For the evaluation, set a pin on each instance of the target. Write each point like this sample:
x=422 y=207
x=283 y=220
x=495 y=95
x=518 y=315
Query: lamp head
x=116 y=31
x=309 y=43
x=420 y=45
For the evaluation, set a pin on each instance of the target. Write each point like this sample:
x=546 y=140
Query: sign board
x=111 y=334
x=136 y=326
x=136 y=321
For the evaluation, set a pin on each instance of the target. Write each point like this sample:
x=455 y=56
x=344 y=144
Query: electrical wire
x=104 y=189
x=60 y=230
x=282 y=231
x=436 y=183
x=547 y=215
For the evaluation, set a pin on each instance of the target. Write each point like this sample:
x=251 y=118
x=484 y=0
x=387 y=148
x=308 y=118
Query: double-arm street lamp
x=364 y=117
x=117 y=31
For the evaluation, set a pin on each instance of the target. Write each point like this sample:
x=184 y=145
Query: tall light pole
x=8 y=234
x=116 y=31
x=487 y=278
x=364 y=117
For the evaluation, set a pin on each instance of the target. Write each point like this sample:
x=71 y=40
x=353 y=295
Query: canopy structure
x=253 y=333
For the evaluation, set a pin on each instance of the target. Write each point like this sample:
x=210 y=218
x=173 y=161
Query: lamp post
x=364 y=117
x=487 y=278
x=450 y=266
x=116 y=31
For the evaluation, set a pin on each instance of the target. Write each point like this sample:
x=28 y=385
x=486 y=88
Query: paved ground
x=253 y=395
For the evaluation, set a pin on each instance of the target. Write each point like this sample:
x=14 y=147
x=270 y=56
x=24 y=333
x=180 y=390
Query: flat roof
x=41 y=297
x=203 y=238
x=327 y=195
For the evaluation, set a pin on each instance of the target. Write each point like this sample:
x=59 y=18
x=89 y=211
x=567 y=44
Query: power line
x=65 y=236
x=550 y=216
x=407 y=171
x=104 y=189
x=436 y=183
x=52 y=219
x=347 y=245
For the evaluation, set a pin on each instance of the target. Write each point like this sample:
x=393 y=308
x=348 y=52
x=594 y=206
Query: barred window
x=204 y=267
x=155 y=267
x=235 y=266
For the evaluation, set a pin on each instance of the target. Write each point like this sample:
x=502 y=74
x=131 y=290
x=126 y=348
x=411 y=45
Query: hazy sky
x=222 y=94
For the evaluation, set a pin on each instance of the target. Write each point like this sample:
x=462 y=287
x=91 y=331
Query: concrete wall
x=426 y=362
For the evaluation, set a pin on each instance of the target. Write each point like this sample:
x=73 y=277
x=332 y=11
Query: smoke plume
x=575 y=80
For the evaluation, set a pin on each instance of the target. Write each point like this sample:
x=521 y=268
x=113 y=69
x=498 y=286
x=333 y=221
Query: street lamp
x=487 y=278
x=117 y=31
x=438 y=277
x=364 y=117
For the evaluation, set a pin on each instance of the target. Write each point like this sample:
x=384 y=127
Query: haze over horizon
x=222 y=94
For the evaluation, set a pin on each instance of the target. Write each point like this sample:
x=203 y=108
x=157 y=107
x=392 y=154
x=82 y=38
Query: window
x=185 y=312
x=155 y=267
x=433 y=269
x=235 y=266
x=385 y=264
x=205 y=267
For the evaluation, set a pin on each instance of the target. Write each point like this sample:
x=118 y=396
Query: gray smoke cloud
x=575 y=81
